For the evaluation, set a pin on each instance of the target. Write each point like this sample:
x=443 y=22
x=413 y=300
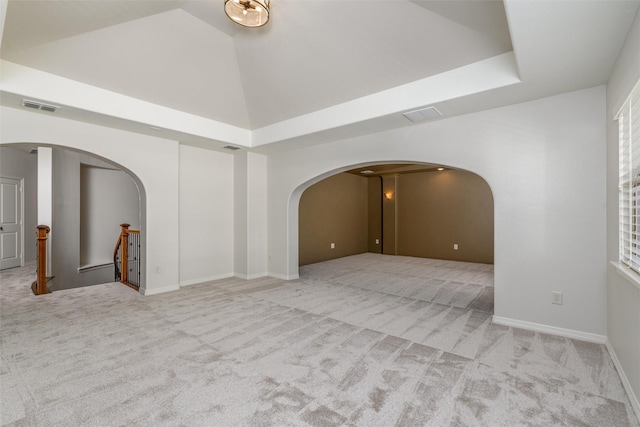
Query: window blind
x=629 y=179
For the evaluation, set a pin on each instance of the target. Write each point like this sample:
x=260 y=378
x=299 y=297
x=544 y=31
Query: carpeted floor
x=368 y=340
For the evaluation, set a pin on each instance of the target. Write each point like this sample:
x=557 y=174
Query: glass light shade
x=249 y=13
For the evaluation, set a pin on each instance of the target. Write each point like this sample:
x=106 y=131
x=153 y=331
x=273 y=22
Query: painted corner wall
x=550 y=215
x=438 y=209
x=83 y=232
x=623 y=290
x=333 y=211
x=206 y=215
x=18 y=164
x=250 y=214
x=108 y=198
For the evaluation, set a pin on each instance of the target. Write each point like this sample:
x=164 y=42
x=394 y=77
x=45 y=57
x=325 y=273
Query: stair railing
x=126 y=257
x=39 y=287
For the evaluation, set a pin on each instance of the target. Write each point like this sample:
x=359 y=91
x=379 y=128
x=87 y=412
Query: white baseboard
x=250 y=276
x=569 y=333
x=155 y=291
x=284 y=276
x=205 y=279
x=625 y=381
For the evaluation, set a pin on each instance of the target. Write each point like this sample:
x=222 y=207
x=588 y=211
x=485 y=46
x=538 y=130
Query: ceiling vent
x=423 y=114
x=39 y=105
x=231 y=147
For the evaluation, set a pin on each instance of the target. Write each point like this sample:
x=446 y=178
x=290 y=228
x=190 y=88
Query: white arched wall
x=153 y=161
x=545 y=163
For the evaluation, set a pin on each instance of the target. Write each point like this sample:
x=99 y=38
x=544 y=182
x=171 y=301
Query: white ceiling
x=320 y=68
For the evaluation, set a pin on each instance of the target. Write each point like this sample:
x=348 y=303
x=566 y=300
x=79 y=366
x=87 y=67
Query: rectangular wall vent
x=422 y=114
x=28 y=103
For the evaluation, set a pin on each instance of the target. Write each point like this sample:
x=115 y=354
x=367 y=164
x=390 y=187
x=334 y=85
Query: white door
x=10 y=223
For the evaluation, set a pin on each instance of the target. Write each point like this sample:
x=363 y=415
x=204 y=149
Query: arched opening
x=437 y=220
x=90 y=197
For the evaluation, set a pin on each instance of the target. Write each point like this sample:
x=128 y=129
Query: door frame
x=21 y=219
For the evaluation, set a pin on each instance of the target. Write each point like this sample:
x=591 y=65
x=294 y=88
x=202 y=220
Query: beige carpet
x=397 y=347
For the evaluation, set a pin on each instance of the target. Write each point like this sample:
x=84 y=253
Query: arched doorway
x=88 y=197
x=427 y=211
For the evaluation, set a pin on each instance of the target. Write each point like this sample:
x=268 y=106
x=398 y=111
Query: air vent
x=31 y=104
x=231 y=147
x=423 y=114
x=39 y=105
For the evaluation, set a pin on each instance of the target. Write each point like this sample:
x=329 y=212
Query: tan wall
x=375 y=215
x=427 y=213
x=437 y=209
x=333 y=211
x=389 y=220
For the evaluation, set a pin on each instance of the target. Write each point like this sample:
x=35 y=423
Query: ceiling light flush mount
x=248 y=13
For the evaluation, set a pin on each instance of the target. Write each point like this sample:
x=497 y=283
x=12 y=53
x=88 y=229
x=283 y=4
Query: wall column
x=389 y=232
x=250 y=206
x=45 y=195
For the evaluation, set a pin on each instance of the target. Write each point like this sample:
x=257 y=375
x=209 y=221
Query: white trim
x=284 y=276
x=635 y=404
x=21 y=219
x=553 y=330
x=155 y=291
x=91 y=267
x=627 y=273
x=250 y=276
x=205 y=279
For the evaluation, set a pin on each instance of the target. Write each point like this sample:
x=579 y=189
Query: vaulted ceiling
x=320 y=69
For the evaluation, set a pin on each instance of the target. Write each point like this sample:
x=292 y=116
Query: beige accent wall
x=333 y=211
x=426 y=214
x=437 y=209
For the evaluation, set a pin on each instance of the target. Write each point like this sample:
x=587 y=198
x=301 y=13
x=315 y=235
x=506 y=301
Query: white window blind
x=629 y=180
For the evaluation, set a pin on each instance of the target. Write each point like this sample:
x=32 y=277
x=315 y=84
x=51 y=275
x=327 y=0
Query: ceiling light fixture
x=248 y=13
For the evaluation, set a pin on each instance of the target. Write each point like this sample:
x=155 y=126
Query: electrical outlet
x=377 y=241
x=556 y=297
x=333 y=246
x=455 y=246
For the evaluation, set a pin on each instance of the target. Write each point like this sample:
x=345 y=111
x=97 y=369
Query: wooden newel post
x=124 y=270
x=39 y=287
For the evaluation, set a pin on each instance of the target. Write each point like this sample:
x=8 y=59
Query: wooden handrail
x=39 y=287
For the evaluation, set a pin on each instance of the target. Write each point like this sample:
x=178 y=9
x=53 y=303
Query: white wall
x=45 y=198
x=108 y=198
x=22 y=165
x=544 y=161
x=623 y=299
x=250 y=192
x=154 y=161
x=87 y=210
x=206 y=215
